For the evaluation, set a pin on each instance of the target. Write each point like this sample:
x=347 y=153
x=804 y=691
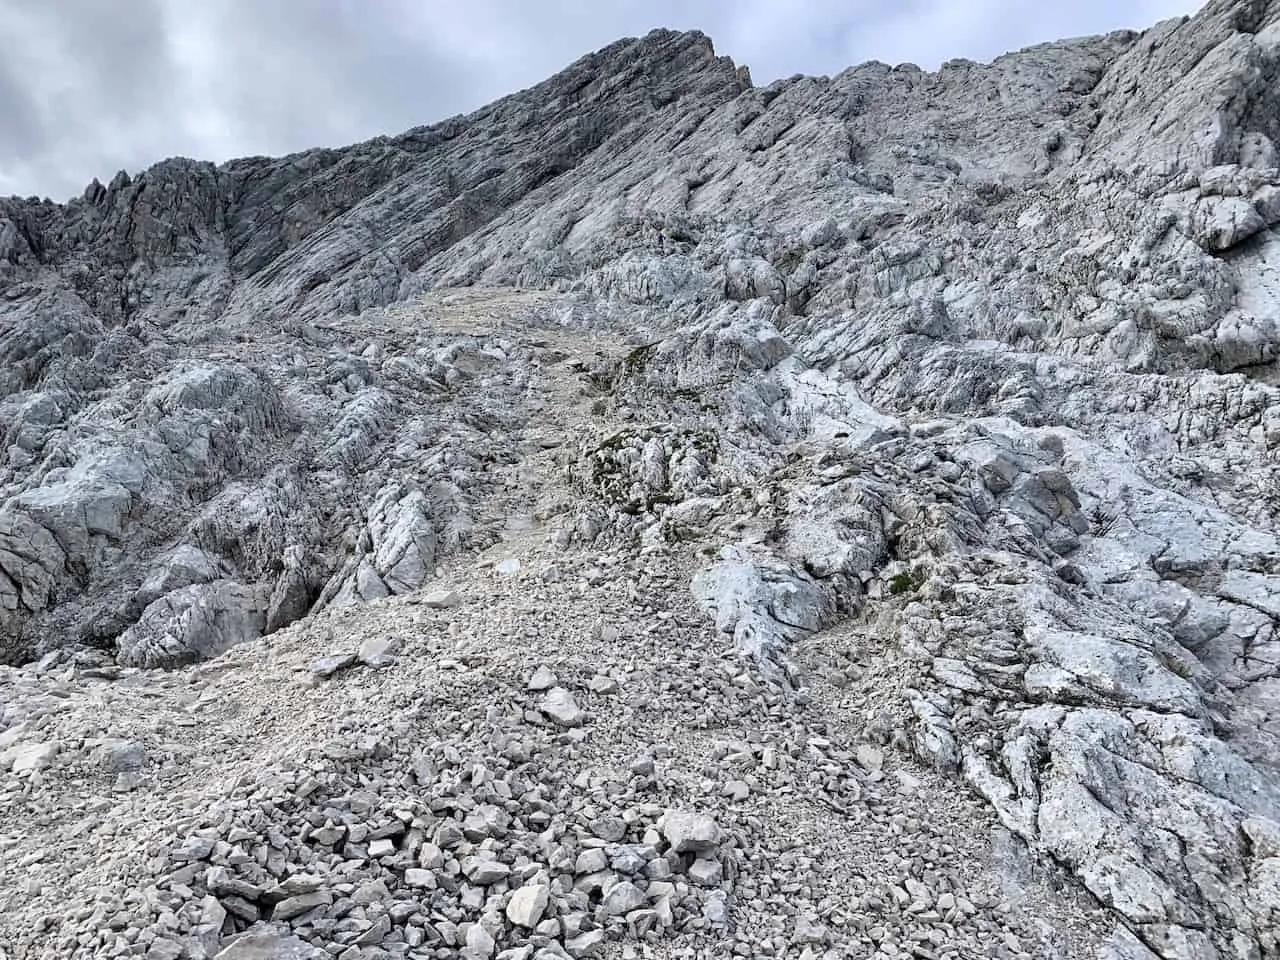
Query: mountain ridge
x=952 y=398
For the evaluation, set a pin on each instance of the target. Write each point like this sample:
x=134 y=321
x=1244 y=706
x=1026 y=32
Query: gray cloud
x=91 y=86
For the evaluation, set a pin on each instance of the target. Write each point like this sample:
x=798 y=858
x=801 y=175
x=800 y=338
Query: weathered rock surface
x=959 y=389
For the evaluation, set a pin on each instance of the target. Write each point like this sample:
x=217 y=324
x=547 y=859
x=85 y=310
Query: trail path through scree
x=833 y=842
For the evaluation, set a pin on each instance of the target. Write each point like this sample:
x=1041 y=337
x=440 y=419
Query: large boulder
x=194 y=623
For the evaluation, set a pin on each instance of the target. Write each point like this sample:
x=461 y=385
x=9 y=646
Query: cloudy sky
x=88 y=87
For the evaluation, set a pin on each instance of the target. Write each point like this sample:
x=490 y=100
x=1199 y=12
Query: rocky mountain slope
x=858 y=447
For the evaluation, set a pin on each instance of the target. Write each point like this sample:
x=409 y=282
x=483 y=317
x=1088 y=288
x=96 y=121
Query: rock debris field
x=662 y=516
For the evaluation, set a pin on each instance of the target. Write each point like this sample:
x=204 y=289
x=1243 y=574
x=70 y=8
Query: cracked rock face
x=975 y=368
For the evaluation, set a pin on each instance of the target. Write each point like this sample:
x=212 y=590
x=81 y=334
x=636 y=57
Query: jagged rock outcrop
x=983 y=361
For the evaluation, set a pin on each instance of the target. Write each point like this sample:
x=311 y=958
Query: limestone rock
x=378 y=652
x=622 y=898
x=27 y=757
x=528 y=904
x=331 y=664
x=561 y=707
x=194 y=623
x=690 y=832
x=441 y=599
x=268 y=946
x=541 y=679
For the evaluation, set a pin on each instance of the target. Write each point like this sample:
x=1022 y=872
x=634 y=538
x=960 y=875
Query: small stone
x=163 y=948
x=269 y=946
x=486 y=821
x=810 y=931
x=919 y=892
x=640 y=922
x=586 y=944
x=328 y=834
x=212 y=912
x=480 y=943
x=705 y=871
x=376 y=933
x=622 y=898
x=542 y=679
x=246 y=910
x=326 y=667
x=123 y=756
x=194 y=848
x=659 y=869
x=602 y=684
x=869 y=757
x=449 y=835
x=716 y=909
x=382 y=848
x=431 y=856
x=297 y=906
x=591 y=861
x=737 y=790
x=508 y=567
x=560 y=706
x=418 y=877
x=378 y=653
x=528 y=904
x=371 y=892
x=441 y=599
x=295 y=885
x=609 y=829
x=28 y=757
x=223 y=882
x=690 y=832
x=484 y=872
x=628 y=860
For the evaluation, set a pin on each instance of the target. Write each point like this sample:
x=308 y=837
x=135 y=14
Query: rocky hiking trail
x=499 y=765
x=557 y=404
